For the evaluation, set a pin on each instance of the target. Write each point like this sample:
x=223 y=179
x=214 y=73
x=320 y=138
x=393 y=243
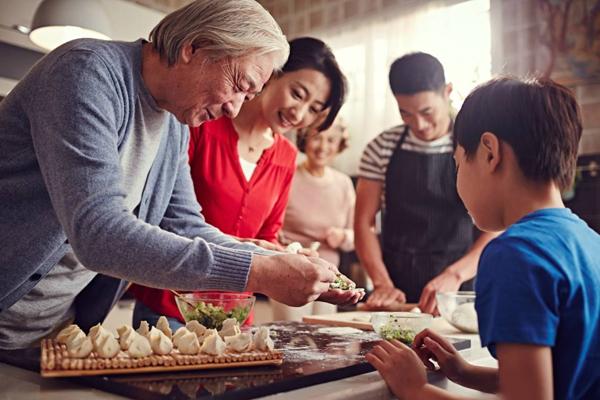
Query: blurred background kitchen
x=474 y=40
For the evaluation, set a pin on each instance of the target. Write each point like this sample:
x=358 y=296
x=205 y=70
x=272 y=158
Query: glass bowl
x=458 y=308
x=402 y=326
x=212 y=308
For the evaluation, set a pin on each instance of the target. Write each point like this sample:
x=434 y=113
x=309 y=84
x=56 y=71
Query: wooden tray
x=56 y=362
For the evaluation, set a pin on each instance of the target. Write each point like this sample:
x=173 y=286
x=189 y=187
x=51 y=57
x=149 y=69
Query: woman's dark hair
x=538 y=118
x=416 y=72
x=311 y=53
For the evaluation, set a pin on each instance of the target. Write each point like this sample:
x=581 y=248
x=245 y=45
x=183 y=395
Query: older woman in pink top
x=320 y=207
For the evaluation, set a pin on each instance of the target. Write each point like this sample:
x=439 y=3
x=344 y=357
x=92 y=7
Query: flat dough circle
x=339 y=330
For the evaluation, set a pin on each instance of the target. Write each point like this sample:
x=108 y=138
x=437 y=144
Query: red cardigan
x=246 y=209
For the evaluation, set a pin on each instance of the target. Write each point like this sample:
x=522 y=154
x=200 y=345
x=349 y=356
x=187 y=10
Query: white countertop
x=20 y=384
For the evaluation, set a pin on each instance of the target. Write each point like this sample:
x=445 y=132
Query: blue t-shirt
x=539 y=283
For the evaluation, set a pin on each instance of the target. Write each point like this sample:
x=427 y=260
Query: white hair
x=222 y=28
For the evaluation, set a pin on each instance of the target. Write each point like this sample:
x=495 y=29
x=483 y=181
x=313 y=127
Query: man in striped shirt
x=407 y=173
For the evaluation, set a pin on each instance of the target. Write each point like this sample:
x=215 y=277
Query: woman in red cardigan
x=242 y=169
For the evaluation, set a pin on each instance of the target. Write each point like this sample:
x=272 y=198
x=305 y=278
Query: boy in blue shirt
x=538 y=284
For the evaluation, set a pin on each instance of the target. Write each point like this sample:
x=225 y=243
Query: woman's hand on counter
x=335 y=237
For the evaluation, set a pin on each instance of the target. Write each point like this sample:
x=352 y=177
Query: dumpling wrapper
x=126 y=335
x=231 y=327
x=107 y=346
x=197 y=328
x=79 y=346
x=144 y=328
x=163 y=325
x=69 y=333
x=262 y=340
x=239 y=343
x=213 y=344
x=96 y=332
x=188 y=343
x=178 y=334
x=159 y=342
x=139 y=347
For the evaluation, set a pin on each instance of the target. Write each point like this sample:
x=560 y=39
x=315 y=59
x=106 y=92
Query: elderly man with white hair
x=95 y=188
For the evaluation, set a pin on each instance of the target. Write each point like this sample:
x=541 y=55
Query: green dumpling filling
x=212 y=316
x=389 y=332
x=342 y=283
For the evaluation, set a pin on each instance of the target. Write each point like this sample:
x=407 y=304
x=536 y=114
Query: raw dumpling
x=230 y=328
x=159 y=342
x=79 y=346
x=107 y=346
x=104 y=342
x=197 y=328
x=144 y=328
x=70 y=332
x=240 y=343
x=213 y=344
x=262 y=340
x=178 y=334
x=96 y=332
x=163 y=325
x=126 y=335
x=140 y=346
x=188 y=343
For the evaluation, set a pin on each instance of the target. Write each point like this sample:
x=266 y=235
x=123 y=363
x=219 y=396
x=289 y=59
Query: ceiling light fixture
x=58 y=21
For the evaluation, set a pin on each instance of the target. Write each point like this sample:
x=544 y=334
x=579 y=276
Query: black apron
x=425 y=226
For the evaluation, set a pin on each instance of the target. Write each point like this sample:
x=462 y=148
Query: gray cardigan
x=61 y=131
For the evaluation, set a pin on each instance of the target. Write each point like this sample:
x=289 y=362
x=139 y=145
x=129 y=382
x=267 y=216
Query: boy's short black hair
x=312 y=53
x=416 y=72
x=539 y=118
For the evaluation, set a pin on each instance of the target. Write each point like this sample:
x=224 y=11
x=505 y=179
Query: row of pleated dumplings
x=194 y=338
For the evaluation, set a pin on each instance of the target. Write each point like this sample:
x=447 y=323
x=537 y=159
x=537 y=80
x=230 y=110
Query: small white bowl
x=402 y=326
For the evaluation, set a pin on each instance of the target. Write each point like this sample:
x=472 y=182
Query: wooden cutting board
x=353 y=319
x=56 y=362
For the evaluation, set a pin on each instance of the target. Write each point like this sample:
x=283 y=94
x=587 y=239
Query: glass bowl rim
x=401 y=314
x=457 y=294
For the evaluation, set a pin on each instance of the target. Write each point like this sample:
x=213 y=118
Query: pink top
x=316 y=204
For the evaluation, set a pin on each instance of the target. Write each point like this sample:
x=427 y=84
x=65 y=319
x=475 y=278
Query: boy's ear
x=490 y=145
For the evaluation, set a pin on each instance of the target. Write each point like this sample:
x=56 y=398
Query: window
x=457 y=34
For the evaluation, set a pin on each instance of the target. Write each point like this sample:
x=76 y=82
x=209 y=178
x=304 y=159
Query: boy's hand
x=431 y=346
x=400 y=367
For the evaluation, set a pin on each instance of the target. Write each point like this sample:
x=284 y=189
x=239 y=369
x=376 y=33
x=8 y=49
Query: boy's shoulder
x=554 y=240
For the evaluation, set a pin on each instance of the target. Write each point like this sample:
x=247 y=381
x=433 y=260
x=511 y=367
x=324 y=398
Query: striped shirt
x=379 y=151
